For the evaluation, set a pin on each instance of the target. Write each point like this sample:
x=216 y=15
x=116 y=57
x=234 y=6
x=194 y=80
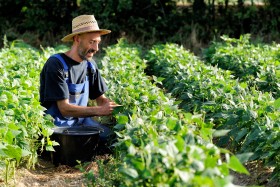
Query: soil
x=259 y=175
x=48 y=175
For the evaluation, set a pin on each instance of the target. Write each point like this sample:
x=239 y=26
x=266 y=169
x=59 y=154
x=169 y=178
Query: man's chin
x=89 y=56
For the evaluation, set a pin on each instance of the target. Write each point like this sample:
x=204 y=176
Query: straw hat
x=84 y=24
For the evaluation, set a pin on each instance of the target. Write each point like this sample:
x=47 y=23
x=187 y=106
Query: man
x=69 y=79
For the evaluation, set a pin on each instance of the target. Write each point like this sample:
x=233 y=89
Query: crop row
x=250 y=116
x=257 y=64
x=158 y=143
x=23 y=127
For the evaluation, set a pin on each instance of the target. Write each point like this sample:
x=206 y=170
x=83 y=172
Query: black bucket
x=75 y=143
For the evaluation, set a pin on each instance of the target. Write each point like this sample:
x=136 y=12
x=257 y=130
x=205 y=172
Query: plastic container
x=76 y=143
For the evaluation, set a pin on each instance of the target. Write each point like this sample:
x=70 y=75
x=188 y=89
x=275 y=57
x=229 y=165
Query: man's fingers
x=118 y=104
x=114 y=104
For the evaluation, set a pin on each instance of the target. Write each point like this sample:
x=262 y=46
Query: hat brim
x=69 y=37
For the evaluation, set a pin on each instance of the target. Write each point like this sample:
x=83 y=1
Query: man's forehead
x=93 y=36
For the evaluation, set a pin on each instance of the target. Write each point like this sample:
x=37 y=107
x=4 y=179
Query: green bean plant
x=23 y=126
x=250 y=116
x=255 y=63
x=158 y=143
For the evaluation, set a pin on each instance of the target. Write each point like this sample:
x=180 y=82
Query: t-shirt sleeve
x=55 y=87
x=97 y=86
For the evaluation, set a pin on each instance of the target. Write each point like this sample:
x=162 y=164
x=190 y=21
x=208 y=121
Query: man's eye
x=93 y=42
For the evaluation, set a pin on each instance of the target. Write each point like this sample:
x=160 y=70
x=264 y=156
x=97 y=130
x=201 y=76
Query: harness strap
x=90 y=66
x=65 y=67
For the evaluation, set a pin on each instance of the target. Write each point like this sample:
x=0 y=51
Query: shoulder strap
x=91 y=67
x=65 y=67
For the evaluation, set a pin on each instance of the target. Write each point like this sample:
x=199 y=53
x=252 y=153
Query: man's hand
x=105 y=108
x=106 y=105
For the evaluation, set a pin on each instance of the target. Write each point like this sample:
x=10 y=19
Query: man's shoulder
x=53 y=64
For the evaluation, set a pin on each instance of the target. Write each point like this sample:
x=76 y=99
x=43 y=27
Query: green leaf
x=13 y=126
x=119 y=127
x=219 y=133
x=131 y=149
x=9 y=137
x=25 y=153
x=241 y=134
x=180 y=143
x=171 y=123
x=206 y=133
x=119 y=135
x=1 y=150
x=184 y=175
x=13 y=152
x=129 y=172
x=49 y=148
x=122 y=119
x=117 y=110
x=54 y=143
x=236 y=165
x=277 y=103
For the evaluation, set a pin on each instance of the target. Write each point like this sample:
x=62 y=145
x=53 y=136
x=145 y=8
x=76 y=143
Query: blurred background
x=191 y=23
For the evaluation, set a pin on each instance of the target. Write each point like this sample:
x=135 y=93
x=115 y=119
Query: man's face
x=88 y=45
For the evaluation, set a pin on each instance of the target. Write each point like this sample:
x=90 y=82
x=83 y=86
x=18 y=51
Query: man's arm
x=105 y=107
x=102 y=100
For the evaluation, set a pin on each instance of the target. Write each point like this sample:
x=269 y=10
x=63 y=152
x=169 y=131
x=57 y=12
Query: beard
x=82 y=52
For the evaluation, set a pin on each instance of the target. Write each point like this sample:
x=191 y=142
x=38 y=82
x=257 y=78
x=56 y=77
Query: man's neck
x=73 y=55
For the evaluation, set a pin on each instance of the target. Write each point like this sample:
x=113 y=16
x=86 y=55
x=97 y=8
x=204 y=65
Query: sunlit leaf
x=236 y=165
x=129 y=172
x=13 y=152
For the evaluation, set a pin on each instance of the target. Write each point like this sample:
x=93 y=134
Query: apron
x=78 y=95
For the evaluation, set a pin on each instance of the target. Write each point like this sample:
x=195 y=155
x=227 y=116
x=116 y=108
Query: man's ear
x=76 y=38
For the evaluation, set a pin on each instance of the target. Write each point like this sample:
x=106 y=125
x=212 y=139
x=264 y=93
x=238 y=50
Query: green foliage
x=256 y=64
x=251 y=116
x=158 y=143
x=146 y=21
x=23 y=127
x=149 y=20
x=105 y=175
x=161 y=140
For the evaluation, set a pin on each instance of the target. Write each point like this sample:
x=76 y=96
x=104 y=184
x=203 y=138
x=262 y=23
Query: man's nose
x=95 y=47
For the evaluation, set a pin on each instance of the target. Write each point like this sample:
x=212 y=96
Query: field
x=185 y=120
